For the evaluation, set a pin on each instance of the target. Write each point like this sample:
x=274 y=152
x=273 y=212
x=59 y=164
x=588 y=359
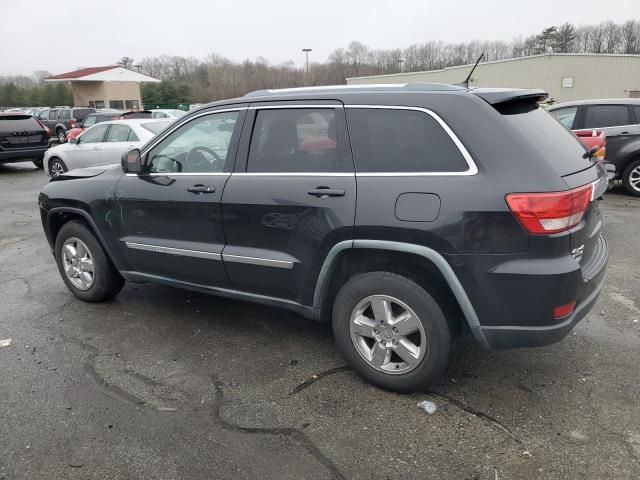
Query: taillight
x=72 y=124
x=565 y=310
x=550 y=212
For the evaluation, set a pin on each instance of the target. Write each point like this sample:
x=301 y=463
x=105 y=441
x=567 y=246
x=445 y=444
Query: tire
x=61 y=134
x=57 y=167
x=104 y=282
x=631 y=178
x=39 y=163
x=432 y=335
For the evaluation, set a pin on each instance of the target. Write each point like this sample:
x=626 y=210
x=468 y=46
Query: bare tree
x=564 y=38
x=126 y=62
x=630 y=33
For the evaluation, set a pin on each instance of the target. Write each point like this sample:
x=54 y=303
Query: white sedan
x=167 y=113
x=101 y=144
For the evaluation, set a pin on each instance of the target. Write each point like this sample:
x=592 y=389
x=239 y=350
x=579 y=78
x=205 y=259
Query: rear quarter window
x=548 y=135
x=388 y=140
x=18 y=123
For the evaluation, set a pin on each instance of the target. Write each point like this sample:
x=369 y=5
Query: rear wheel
x=391 y=331
x=57 y=167
x=631 y=178
x=84 y=266
x=60 y=133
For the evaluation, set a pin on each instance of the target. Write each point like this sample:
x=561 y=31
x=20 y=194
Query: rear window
x=542 y=130
x=155 y=127
x=81 y=113
x=387 y=140
x=18 y=123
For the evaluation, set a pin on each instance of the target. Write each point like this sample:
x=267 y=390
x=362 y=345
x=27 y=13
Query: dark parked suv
x=402 y=214
x=61 y=119
x=619 y=118
x=22 y=138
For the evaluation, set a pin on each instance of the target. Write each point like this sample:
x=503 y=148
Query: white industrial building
x=566 y=76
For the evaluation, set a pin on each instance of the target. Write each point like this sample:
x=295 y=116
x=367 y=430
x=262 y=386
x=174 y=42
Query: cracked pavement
x=165 y=384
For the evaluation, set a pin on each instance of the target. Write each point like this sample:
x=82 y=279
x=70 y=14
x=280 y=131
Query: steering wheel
x=195 y=160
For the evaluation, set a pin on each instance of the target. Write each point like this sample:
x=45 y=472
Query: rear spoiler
x=496 y=96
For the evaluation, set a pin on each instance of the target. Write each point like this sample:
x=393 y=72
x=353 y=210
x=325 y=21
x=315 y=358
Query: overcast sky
x=64 y=35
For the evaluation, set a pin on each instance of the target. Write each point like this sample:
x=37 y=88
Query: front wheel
x=391 y=331
x=57 y=167
x=631 y=178
x=83 y=264
x=38 y=163
x=61 y=135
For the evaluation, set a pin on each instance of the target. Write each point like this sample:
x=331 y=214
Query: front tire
x=391 y=331
x=631 y=178
x=57 y=167
x=39 y=163
x=83 y=264
x=60 y=133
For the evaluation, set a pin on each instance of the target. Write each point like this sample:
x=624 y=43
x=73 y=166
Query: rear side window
x=64 y=115
x=53 y=114
x=565 y=116
x=18 y=123
x=120 y=133
x=547 y=135
x=602 y=116
x=296 y=140
x=94 y=135
x=81 y=113
x=387 y=140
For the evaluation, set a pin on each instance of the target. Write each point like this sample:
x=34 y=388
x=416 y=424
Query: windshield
x=155 y=127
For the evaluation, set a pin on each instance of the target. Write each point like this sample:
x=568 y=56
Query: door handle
x=95 y=148
x=325 y=192
x=198 y=189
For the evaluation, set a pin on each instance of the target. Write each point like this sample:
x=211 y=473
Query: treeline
x=189 y=80
x=23 y=91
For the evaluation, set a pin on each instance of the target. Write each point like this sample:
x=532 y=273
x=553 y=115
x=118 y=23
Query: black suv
x=619 y=118
x=401 y=214
x=22 y=137
x=61 y=119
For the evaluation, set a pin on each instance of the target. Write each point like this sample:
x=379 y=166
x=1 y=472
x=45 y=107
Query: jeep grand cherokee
x=402 y=214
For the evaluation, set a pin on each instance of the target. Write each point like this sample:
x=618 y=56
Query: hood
x=86 y=172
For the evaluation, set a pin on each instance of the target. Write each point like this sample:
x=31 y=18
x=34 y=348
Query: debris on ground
x=428 y=406
x=5 y=343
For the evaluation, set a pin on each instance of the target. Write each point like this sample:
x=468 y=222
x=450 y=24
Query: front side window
x=565 y=116
x=116 y=104
x=93 y=135
x=603 y=116
x=121 y=133
x=200 y=146
x=295 y=140
x=44 y=115
x=387 y=140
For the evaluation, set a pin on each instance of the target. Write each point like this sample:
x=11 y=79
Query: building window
x=98 y=103
x=132 y=104
x=116 y=104
x=92 y=104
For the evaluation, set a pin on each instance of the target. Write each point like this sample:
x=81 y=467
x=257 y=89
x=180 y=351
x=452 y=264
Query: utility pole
x=306 y=51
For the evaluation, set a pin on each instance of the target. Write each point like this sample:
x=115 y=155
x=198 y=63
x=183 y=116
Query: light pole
x=306 y=51
x=400 y=62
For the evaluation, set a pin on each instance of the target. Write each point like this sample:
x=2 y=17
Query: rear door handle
x=202 y=189
x=325 y=192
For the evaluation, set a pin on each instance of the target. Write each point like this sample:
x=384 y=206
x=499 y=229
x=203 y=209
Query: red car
x=100 y=117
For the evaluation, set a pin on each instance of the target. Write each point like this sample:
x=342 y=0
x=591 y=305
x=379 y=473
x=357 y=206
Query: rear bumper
x=21 y=155
x=514 y=300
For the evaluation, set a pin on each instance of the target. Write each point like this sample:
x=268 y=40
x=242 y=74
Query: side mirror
x=73 y=141
x=131 y=161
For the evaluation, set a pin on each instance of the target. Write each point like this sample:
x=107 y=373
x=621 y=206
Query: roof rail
x=399 y=87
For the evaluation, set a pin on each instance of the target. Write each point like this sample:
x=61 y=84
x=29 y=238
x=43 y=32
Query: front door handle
x=325 y=192
x=201 y=189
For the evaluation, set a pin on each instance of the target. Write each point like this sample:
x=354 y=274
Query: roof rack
x=397 y=87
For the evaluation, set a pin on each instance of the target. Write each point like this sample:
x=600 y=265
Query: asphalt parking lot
x=167 y=384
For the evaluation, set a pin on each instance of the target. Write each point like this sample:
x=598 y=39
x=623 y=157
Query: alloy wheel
x=78 y=263
x=388 y=334
x=56 y=169
x=634 y=178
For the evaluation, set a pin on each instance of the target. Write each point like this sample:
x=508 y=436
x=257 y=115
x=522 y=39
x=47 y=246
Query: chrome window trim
x=265 y=262
x=473 y=168
x=294 y=174
x=272 y=107
x=173 y=251
x=182 y=174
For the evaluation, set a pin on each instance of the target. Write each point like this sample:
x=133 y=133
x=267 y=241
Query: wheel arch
x=421 y=263
x=58 y=216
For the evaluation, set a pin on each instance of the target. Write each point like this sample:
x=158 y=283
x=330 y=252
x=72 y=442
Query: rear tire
x=83 y=264
x=60 y=133
x=631 y=178
x=406 y=348
x=57 y=167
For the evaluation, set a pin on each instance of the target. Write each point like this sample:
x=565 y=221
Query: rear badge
x=576 y=253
